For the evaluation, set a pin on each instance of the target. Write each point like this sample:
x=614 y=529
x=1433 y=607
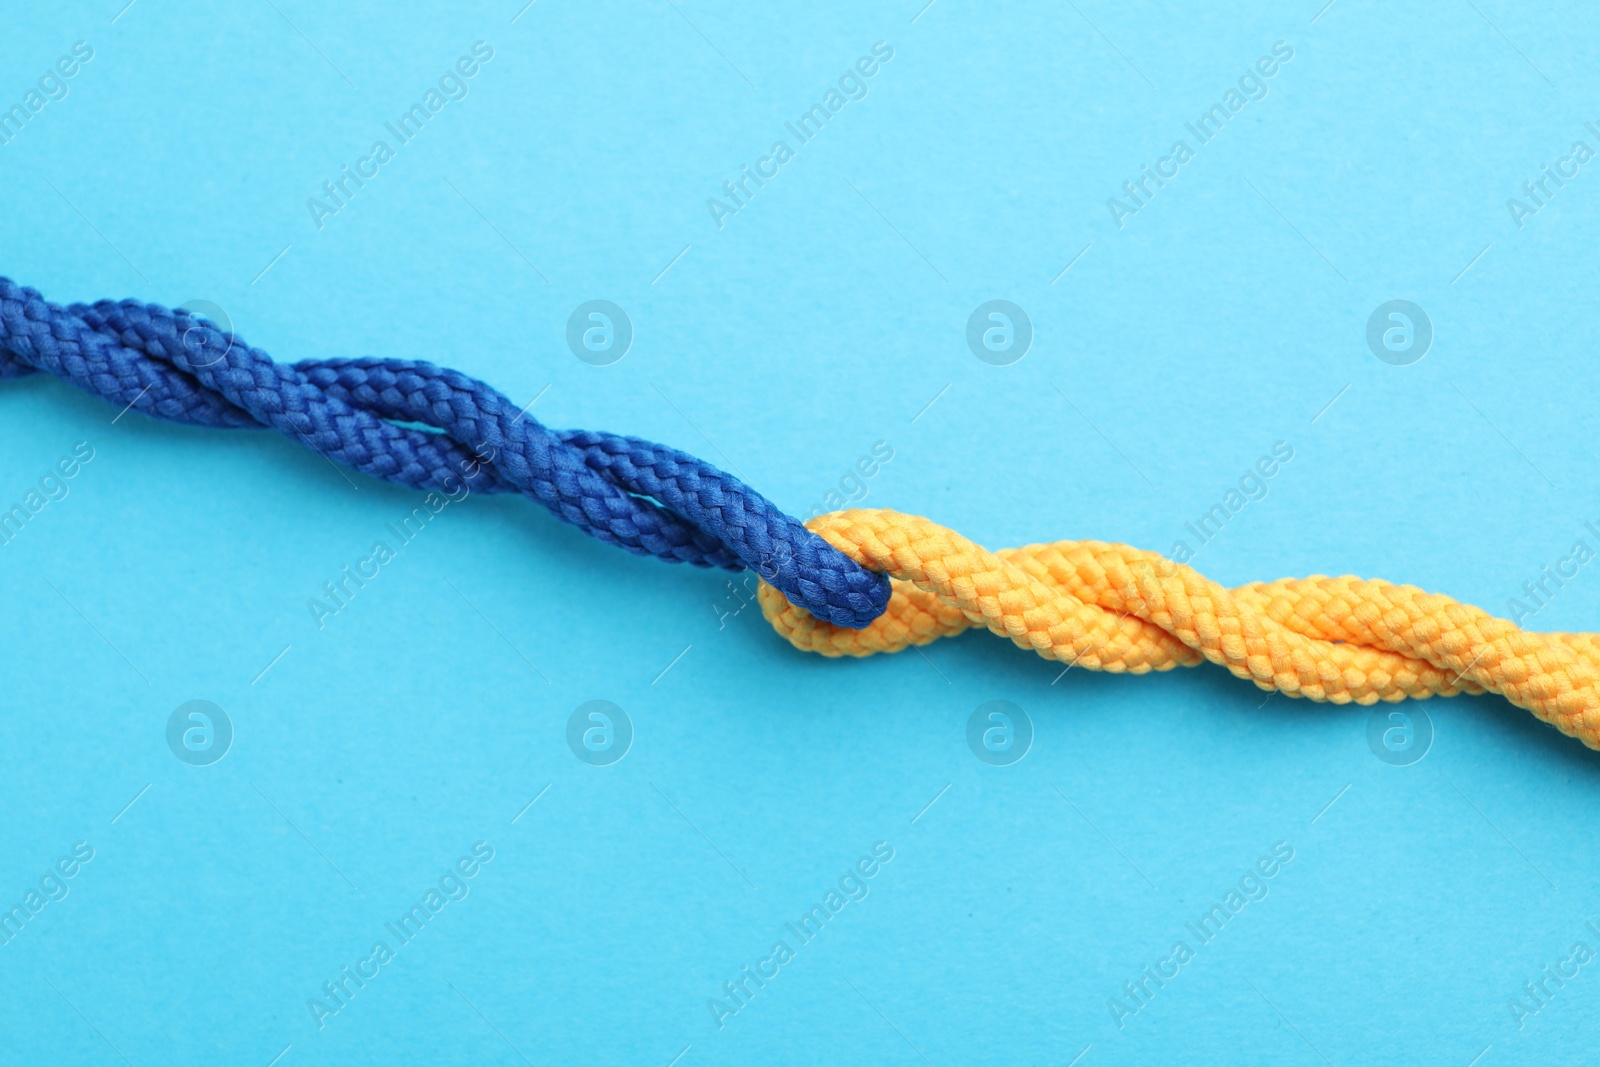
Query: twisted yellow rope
x=1111 y=607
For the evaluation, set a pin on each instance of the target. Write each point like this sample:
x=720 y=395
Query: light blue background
x=824 y=317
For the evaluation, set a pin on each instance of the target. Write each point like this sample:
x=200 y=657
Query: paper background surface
x=1228 y=314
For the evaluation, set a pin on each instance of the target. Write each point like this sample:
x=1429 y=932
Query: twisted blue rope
x=636 y=494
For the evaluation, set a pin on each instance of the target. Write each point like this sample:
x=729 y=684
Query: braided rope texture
x=1115 y=608
x=636 y=494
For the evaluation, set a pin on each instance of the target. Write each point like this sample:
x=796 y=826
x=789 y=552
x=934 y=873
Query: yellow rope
x=1111 y=607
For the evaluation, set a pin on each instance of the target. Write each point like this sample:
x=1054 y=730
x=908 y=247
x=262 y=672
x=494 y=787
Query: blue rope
x=636 y=494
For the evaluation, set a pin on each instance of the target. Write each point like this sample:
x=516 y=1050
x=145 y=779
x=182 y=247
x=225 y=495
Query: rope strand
x=855 y=582
x=638 y=495
x=1115 y=608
